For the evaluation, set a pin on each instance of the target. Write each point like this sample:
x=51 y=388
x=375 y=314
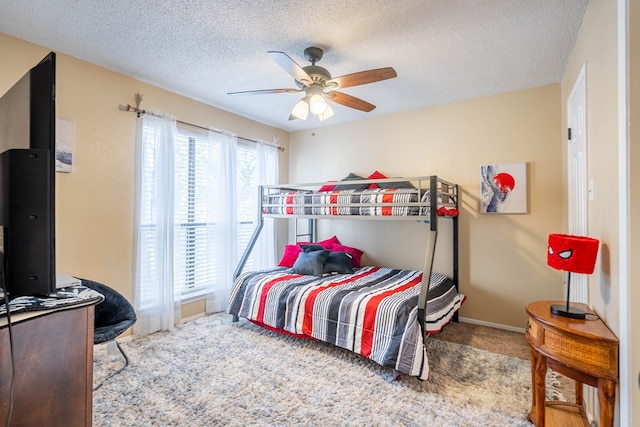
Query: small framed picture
x=64 y=145
x=503 y=188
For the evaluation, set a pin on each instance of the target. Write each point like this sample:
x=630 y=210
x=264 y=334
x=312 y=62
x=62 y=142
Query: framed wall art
x=503 y=188
x=64 y=145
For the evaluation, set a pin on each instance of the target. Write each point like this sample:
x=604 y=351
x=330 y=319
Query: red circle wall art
x=503 y=188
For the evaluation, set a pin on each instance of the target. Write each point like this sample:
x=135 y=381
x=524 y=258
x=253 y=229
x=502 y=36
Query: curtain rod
x=132 y=109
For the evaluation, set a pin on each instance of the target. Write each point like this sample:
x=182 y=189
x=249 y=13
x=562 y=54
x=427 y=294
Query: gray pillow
x=352 y=177
x=311 y=247
x=310 y=263
x=400 y=184
x=338 y=262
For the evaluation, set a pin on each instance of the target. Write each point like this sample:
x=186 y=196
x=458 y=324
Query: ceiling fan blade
x=291 y=67
x=265 y=91
x=363 y=77
x=349 y=101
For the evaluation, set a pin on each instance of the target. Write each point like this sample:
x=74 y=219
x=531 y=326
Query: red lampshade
x=576 y=254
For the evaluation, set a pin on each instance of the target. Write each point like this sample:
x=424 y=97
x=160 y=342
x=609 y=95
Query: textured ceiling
x=443 y=50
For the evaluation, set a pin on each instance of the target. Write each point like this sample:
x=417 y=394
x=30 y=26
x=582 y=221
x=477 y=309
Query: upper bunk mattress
x=369 y=202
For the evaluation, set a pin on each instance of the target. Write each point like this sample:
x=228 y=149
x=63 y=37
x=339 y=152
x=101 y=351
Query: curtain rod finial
x=139 y=98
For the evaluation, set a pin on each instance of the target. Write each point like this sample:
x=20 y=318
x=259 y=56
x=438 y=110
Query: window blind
x=195 y=256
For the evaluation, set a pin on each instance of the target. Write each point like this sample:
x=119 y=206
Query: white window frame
x=186 y=295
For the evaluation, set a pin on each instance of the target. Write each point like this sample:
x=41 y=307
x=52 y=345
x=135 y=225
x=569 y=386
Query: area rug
x=213 y=372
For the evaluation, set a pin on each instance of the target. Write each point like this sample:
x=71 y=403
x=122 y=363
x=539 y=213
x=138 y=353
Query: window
x=192 y=223
x=247 y=183
x=192 y=266
x=191 y=220
x=196 y=197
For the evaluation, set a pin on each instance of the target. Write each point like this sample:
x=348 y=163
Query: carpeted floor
x=490 y=339
x=502 y=342
x=212 y=372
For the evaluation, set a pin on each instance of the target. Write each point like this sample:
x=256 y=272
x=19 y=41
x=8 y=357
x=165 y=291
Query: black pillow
x=401 y=184
x=311 y=247
x=338 y=262
x=310 y=263
x=352 y=177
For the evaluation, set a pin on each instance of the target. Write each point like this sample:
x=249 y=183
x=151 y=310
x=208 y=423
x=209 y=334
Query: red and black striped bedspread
x=372 y=312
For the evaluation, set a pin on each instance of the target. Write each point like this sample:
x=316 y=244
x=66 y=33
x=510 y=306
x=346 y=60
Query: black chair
x=113 y=316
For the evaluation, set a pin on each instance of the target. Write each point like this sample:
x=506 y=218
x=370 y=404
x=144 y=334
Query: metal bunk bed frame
x=447 y=195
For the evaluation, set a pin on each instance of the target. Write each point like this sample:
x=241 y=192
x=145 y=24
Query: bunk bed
x=384 y=314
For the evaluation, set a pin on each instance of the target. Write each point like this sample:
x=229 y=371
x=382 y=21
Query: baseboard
x=491 y=325
x=191 y=318
x=128 y=336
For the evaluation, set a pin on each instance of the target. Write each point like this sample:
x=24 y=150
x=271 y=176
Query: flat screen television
x=27 y=183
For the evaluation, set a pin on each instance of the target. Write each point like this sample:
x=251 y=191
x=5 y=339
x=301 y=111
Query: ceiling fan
x=317 y=84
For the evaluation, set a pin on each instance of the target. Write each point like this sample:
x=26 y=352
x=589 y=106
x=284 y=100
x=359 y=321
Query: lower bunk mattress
x=372 y=312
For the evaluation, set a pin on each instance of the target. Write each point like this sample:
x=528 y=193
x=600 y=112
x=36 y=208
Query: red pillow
x=326 y=188
x=355 y=253
x=291 y=252
x=375 y=175
x=290 y=255
x=327 y=244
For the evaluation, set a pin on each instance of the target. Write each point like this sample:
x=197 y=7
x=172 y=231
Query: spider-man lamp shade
x=575 y=254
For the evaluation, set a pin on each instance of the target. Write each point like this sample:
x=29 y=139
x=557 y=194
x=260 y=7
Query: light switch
x=591 y=190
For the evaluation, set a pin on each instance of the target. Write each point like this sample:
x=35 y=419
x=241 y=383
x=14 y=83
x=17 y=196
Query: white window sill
x=193 y=296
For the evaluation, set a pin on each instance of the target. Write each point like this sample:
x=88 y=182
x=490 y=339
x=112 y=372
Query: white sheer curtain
x=153 y=222
x=267 y=174
x=222 y=213
x=186 y=217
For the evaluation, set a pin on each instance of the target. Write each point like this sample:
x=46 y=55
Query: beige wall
x=94 y=203
x=597 y=47
x=502 y=257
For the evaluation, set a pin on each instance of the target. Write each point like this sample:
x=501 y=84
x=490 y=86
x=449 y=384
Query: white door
x=578 y=191
x=577 y=176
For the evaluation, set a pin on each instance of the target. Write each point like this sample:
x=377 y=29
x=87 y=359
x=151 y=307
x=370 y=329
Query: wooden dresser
x=585 y=350
x=53 y=356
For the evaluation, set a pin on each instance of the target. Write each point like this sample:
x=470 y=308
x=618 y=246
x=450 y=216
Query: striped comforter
x=371 y=202
x=372 y=312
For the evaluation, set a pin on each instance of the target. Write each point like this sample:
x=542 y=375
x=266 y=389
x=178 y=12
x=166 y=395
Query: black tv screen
x=27 y=182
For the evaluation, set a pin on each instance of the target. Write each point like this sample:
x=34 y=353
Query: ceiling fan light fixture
x=301 y=109
x=318 y=104
x=328 y=112
x=314 y=80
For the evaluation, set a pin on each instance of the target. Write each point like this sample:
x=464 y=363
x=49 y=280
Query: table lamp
x=574 y=254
